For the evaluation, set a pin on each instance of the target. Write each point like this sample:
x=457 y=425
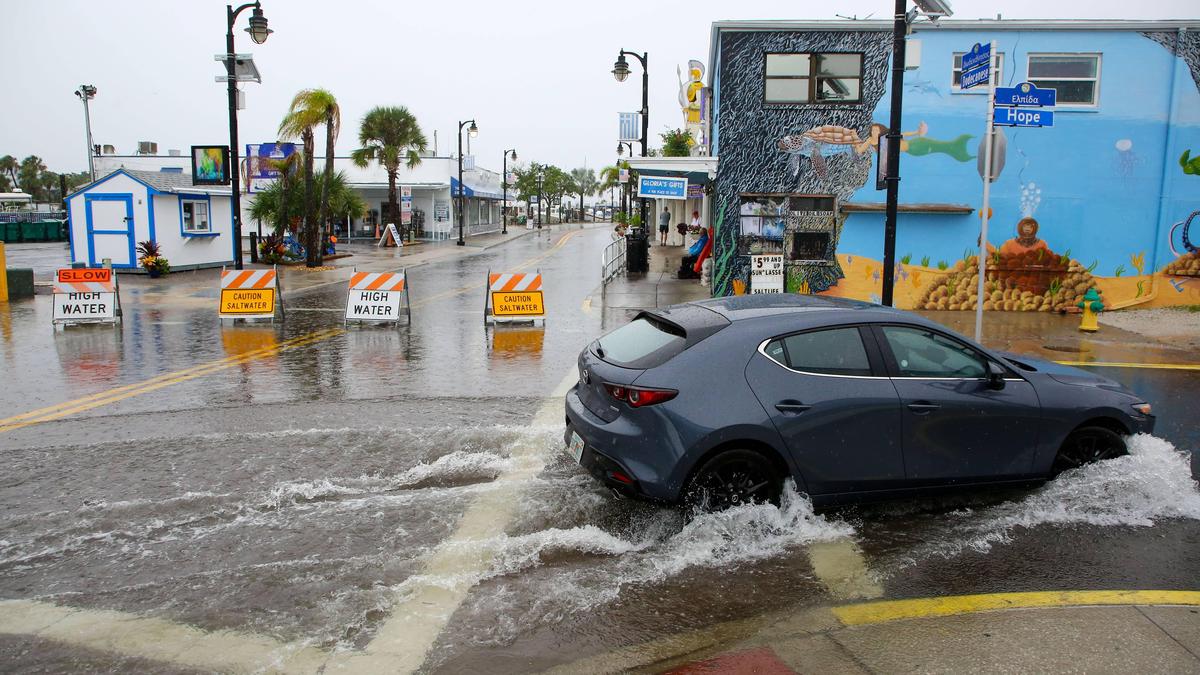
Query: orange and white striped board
x=377 y=296
x=249 y=294
x=86 y=295
x=514 y=295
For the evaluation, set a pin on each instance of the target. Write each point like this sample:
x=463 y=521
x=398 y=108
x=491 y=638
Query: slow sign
x=85 y=295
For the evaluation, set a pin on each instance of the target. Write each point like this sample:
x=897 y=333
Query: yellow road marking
x=1123 y=364
x=892 y=610
x=84 y=403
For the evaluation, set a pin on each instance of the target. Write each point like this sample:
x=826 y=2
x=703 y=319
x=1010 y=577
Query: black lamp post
x=540 y=178
x=259 y=32
x=625 y=188
x=474 y=131
x=504 y=179
x=621 y=71
x=87 y=92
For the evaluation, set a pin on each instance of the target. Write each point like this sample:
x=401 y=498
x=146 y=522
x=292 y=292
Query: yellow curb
x=893 y=610
x=1123 y=364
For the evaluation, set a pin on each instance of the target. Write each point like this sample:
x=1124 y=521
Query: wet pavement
x=311 y=490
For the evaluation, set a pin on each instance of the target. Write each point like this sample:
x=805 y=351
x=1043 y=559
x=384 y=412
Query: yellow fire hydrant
x=1091 y=305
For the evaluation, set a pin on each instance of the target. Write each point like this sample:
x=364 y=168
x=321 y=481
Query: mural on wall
x=766 y=149
x=1187 y=261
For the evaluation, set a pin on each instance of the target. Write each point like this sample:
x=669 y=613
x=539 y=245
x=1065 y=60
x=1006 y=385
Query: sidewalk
x=627 y=294
x=1085 y=631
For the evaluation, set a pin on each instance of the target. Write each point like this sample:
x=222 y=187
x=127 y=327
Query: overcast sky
x=536 y=75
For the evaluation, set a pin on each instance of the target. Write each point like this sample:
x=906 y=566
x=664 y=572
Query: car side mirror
x=996 y=375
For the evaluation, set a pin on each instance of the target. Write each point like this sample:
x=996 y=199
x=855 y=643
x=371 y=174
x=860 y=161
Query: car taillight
x=638 y=397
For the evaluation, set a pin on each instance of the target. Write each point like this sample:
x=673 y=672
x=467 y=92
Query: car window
x=836 y=351
x=924 y=353
x=641 y=343
x=774 y=350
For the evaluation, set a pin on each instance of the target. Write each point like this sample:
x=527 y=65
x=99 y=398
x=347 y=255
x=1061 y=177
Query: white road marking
x=403 y=641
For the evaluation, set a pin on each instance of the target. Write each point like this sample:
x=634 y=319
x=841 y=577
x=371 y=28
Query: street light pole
x=258 y=31
x=899 y=32
x=86 y=92
x=504 y=179
x=473 y=130
x=621 y=71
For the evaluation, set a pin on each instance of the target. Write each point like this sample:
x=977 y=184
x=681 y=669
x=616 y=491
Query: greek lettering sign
x=1022 y=117
x=662 y=187
x=980 y=55
x=1026 y=95
x=518 y=303
x=974 y=78
x=766 y=274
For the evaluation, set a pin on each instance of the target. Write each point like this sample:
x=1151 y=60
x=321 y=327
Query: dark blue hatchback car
x=716 y=403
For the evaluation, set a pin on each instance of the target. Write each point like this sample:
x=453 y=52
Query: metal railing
x=31 y=216
x=612 y=261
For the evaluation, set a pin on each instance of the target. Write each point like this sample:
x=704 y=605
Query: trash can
x=33 y=231
x=11 y=233
x=637 y=251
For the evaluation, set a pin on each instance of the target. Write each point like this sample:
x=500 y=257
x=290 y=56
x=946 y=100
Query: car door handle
x=795 y=407
x=923 y=407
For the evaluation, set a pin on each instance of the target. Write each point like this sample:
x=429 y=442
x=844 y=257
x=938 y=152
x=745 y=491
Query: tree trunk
x=308 y=239
x=325 y=187
x=393 y=199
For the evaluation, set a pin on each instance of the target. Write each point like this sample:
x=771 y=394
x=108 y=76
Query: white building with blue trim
x=192 y=225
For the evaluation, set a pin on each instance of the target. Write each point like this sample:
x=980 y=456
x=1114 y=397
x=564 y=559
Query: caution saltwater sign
x=249 y=294
x=518 y=303
x=514 y=296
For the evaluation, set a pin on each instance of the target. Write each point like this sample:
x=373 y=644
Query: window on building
x=956 y=76
x=195 y=217
x=813 y=78
x=1075 y=76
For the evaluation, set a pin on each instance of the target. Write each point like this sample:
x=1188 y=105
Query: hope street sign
x=1022 y=117
x=1026 y=95
x=662 y=187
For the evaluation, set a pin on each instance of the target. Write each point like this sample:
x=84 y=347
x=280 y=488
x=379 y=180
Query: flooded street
x=318 y=489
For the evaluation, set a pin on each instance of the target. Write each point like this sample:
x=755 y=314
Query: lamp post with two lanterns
x=473 y=131
x=504 y=178
x=621 y=72
x=87 y=92
x=259 y=32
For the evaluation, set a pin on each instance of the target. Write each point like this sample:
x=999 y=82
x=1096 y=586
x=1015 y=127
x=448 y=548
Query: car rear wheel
x=734 y=478
x=1087 y=445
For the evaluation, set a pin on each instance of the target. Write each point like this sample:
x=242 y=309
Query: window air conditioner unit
x=147 y=148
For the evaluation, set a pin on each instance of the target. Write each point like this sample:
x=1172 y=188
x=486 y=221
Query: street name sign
x=1022 y=117
x=1026 y=95
x=85 y=295
x=662 y=187
x=766 y=274
x=976 y=66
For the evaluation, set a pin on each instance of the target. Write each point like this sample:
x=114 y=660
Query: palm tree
x=8 y=171
x=390 y=135
x=610 y=179
x=309 y=108
x=281 y=198
x=584 y=183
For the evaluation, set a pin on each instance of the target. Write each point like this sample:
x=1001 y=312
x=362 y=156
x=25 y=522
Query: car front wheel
x=733 y=478
x=1087 y=445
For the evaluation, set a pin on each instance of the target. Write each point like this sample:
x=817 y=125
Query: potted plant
x=151 y=259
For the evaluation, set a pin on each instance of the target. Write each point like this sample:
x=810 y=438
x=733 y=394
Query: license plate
x=575 y=447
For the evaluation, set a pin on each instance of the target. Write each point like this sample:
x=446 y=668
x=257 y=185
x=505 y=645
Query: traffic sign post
x=1022 y=117
x=1026 y=95
x=85 y=295
x=989 y=141
x=378 y=296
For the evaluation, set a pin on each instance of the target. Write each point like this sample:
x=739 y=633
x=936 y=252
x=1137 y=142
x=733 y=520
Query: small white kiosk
x=192 y=225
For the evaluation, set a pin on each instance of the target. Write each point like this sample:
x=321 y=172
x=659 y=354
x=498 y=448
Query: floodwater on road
x=301 y=494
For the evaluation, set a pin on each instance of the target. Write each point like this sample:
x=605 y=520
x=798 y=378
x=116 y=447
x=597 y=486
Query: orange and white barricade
x=514 y=296
x=378 y=296
x=250 y=294
x=86 y=295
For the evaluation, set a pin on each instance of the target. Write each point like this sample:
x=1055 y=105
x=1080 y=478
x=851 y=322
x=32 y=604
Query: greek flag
x=629 y=127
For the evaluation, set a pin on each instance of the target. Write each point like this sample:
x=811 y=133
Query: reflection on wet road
x=298 y=500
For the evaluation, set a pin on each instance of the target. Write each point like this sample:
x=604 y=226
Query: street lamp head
x=514 y=155
x=621 y=68
x=620 y=149
x=86 y=91
x=472 y=130
x=258 y=26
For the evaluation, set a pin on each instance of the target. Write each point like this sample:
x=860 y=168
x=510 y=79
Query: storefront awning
x=472 y=192
x=698 y=170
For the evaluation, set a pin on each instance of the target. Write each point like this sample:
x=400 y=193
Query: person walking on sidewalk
x=664 y=225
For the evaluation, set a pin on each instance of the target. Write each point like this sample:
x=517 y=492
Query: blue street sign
x=1022 y=117
x=1026 y=95
x=976 y=77
x=980 y=55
